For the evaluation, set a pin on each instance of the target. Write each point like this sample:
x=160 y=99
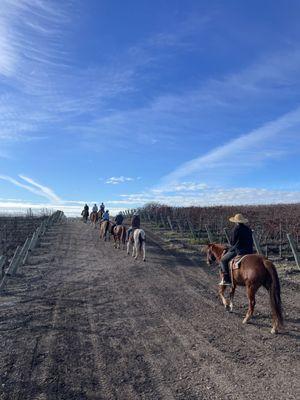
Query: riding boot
x=225 y=281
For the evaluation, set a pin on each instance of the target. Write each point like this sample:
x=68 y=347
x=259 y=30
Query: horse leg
x=128 y=246
x=136 y=250
x=144 y=251
x=223 y=298
x=231 y=296
x=251 y=300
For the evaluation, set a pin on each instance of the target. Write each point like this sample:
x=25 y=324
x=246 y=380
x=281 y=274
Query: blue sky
x=126 y=102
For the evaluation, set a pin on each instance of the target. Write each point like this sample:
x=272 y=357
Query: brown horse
x=85 y=215
x=94 y=218
x=119 y=234
x=105 y=229
x=253 y=271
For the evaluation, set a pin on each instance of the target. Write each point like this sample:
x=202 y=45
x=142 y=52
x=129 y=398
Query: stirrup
x=224 y=283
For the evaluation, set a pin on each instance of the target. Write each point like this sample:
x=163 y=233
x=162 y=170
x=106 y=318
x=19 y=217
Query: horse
x=100 y=214
x=104 y=229
x=253 y=271
x=119 y=234
x=137 y=238
x=85 y=215
x=94 y=218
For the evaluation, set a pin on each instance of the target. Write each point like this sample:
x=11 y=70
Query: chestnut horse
x=254 y=271
x=119 y=234
x=94 y=218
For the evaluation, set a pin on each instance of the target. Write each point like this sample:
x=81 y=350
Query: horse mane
x=217 y=249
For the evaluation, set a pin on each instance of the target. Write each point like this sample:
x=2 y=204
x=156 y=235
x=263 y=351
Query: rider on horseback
x=105 y=216
x=241 y=244
x=102 y=208
x=85 y=213
x=95 y=208
x=135 y=224
x=118 y=221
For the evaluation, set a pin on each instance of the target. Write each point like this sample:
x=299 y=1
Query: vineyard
x=18 y=238
x=14 y=231
x=276 y=227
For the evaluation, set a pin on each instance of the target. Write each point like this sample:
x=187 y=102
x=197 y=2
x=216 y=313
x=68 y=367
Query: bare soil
x=86 y=321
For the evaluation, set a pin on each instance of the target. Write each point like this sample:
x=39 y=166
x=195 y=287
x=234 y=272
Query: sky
x=129 y=102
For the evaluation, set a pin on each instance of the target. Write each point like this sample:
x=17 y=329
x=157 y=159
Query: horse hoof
x=245 y=320
x=144 y=259
x=227 y=308
x=274 y=331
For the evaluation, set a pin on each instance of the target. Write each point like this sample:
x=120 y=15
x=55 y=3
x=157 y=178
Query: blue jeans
x=225 y=261
x=129 y=233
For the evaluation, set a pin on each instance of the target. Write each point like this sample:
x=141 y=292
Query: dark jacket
x=119 y=219
x=242 y=240
x=135 y=222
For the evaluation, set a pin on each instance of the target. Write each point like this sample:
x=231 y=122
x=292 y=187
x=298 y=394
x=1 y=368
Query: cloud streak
x=246 y=150
x=44 y=190
x=34 y=187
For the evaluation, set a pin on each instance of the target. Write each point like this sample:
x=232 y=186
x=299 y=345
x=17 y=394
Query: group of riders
x=239 y=265
x=241 y=241
x=103 y=215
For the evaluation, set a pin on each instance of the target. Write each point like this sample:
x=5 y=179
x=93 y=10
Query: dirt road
x=85 y=321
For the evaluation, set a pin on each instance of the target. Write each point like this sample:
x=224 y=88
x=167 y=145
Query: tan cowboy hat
x=238 y=218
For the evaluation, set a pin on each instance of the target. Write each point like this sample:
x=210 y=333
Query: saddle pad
x=236 y=262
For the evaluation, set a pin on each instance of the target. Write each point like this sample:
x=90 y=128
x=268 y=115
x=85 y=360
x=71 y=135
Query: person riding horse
x=118 y=221
x=105 y=216
x=85 y=212
x=95 y=208
x=241 y=244
x=135 y=224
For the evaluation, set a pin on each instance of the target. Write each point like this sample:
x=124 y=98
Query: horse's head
x=215 y=252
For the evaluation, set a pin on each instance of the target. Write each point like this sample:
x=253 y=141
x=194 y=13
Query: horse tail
x=141 y=238
x=274 y=290
x=123 y=234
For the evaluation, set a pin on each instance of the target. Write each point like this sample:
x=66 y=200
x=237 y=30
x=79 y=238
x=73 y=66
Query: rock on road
x=86 y=321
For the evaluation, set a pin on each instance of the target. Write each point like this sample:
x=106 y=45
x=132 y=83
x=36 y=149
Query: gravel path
x=86 y=321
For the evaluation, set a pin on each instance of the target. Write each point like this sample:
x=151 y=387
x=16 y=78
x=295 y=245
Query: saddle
x=235 y=263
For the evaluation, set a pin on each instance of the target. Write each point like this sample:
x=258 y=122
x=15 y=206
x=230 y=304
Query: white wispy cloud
x=20 y=207
x=245 y=151
x=115 y=180
x=46 y=191
x=34 y=187
x=212 y=196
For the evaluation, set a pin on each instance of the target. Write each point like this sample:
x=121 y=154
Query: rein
x=218 y=252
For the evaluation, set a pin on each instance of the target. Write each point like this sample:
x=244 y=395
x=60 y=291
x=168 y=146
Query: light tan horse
x=254 y=271
x=119 y=234
x=105 y=230
x=94 y=218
